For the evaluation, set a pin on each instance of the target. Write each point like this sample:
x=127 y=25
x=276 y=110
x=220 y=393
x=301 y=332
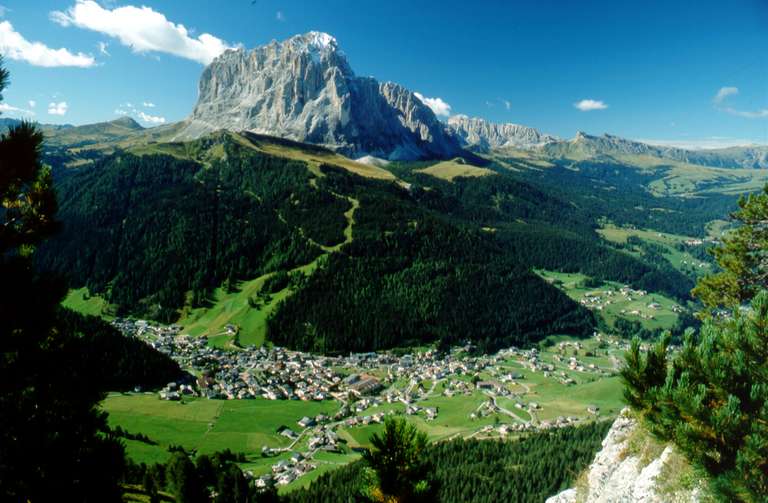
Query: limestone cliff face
x=304 y=89
x=483 y=135
x=623 y=473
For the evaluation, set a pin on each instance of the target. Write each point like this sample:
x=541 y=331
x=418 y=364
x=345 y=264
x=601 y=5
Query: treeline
x=556 y=249
x=204 y=478
x=154 y=233
x=412 y=276
x=617 y=192
x=144 y=231
x=542 y=227
x=483 y=471
x=113 y=361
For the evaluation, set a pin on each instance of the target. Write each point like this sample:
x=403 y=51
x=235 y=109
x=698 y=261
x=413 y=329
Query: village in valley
x=448 y=394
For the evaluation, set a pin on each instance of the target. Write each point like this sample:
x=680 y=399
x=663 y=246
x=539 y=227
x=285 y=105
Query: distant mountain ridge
x=483 y=135
x=584 y=145
x=305 y=90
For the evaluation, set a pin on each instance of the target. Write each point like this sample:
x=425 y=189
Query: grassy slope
x=81 y=301
x=677 y=258
x=448 y=170
x=663 y=317
x=233 y=308
x=687 y=179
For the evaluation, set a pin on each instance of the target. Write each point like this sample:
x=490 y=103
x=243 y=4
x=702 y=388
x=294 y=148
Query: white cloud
x=438 y=106
x=32 y=103
x=280 y=16
x=152 y=119
x=142 y=29
x=58 y=108
x=507 y=104
x=14 y=46
x=8 y=109
x=747 y=114
x=724 y=92
x=103 y=48
x=128 y=109
x=589 y=105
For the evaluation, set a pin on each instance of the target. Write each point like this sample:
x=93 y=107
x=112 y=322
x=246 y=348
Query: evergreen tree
x=184 y=480
x=711 y=399
x=54 y=444
x=743 y=257
x=398 y=460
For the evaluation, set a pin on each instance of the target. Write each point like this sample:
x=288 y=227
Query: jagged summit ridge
x=484 y=135
x=304 y=89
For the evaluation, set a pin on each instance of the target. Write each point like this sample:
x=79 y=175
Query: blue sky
x=682 y=71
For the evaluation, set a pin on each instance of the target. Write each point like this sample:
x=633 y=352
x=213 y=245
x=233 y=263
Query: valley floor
x=566 y=381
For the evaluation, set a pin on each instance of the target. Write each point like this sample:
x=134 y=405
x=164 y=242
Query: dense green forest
x=617 y=192
x=433 y=261
x=146 y=230
x=529 y=469
x=115 y=362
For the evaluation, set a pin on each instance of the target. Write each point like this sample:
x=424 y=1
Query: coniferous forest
x=529 y=469
x=431 y=262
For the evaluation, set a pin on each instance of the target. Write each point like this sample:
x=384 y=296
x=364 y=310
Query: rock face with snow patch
x=304 y=89
x=482 y=135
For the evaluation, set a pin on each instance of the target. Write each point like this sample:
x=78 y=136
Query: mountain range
x=304 y=89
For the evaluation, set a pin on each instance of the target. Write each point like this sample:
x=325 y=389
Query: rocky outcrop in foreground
x=629 y=468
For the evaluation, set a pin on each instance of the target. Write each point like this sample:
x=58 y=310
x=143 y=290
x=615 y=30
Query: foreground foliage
x=399 y=462
x=528 y=469
x=711 y=400
x=54 y=442
x=742 y=257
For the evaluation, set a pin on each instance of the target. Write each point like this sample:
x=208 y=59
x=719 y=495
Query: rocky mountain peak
x=304 y=89
x=483 y=135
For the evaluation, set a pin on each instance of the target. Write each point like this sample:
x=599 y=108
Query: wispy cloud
x=280 y=16
x=151 y=119
x=724 y=92
x=32 y=103
x=713 y=142
x=103 y=48
x=128 y=109
x=590 y=105
x=438 y=106
x=9 y=109
x=59 y=108
x=142 y=29
x=507 y=104
x=14 y=46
